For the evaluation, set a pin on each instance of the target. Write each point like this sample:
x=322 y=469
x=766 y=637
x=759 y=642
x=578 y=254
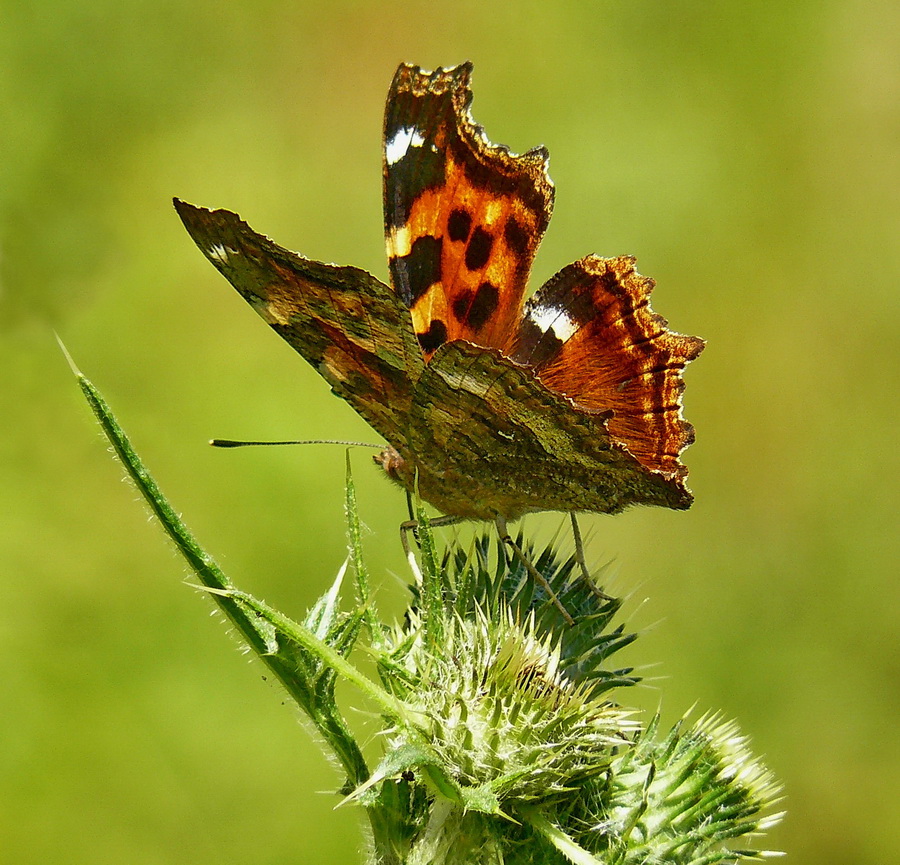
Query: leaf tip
x=67 y=355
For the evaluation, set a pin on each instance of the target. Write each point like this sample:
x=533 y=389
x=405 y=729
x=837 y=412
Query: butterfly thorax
x=469 y=495
x=448 y=494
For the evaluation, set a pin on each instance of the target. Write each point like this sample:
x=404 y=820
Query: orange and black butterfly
x=491 y=406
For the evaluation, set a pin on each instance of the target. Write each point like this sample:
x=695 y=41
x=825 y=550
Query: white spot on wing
x=221 y=253
x=404 y=138
x=554 y=319
x=398 y=242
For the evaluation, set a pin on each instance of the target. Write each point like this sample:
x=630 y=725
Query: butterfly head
x=394 y=465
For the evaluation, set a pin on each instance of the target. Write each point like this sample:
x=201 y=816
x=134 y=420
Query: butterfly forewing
x=347 y=324
x=463 y=217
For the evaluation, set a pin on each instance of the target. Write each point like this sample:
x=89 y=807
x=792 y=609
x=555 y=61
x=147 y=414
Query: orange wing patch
x=485 y=256
x=463 y=217
x=590 y=333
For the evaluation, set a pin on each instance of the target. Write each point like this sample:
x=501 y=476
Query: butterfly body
x=491 y=406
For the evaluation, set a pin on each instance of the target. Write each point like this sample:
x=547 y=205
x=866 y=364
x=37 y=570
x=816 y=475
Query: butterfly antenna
x=232 y=443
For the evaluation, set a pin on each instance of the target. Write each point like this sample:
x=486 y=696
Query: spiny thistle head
x=509 y=749
x=499 y=711
x=679 y=799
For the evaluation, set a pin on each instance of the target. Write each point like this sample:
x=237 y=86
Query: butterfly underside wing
x=490 y=406
x=347 y=324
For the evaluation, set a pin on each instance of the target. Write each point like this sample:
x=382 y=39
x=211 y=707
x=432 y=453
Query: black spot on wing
x=461 y=304
x=474 y=309
x=415 y=273
x=434 y=337
x=517 y=238
x=478 y=252
x=483 y=307
x=459 y=224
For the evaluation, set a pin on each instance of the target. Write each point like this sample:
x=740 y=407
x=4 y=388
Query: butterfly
x=491 y=406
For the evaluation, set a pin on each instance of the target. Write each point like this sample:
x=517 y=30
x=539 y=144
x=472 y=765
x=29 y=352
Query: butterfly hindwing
x=347 y=324
x=534 y=449
x=463 y=217
x=590 y=334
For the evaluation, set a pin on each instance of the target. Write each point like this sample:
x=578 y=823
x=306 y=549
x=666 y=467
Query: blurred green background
x=746 y=152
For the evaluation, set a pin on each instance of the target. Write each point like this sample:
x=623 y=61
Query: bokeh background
x=746 y=152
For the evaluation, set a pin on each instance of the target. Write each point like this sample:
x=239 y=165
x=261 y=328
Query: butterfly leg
x=412 y=525
x=579 y=558
x=533 y=572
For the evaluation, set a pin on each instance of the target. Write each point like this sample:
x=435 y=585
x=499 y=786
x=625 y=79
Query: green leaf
x=263 y=628
x=560 y=840
x=354 y=542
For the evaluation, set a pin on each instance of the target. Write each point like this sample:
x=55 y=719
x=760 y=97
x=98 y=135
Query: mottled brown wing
x=487 y=437
x=463 y=217
x=348 y=325
x=590 y=334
